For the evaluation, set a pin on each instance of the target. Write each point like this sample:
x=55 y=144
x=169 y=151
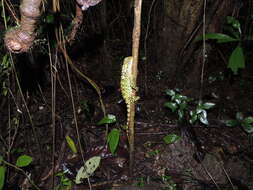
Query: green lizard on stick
x=128 y=90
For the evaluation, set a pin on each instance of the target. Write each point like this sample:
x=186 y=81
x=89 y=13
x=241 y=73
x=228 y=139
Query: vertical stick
x=135 y=53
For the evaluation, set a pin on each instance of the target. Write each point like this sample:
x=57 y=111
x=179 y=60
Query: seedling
x=187 y=110
x=245 y=122
x=233 y=28
x=114 y=134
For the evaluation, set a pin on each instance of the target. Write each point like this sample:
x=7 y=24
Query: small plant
x=171 y=138
x=140 y=182
x=65 y=183
x=153 y=153
x=22 y=161
x=170 y=185
x=114 y=134
x=186 y=108
x=245 y=122
x=233 y=28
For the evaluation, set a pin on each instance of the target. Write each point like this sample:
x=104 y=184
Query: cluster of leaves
x=93 y=163
x=114 y=134
x=65 y=183
x=22 y=161
x=186 y=108
x=245 y=122
x=233 y=28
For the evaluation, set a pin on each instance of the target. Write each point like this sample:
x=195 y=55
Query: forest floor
x=205 y=157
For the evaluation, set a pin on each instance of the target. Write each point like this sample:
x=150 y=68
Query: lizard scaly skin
x=127 y=85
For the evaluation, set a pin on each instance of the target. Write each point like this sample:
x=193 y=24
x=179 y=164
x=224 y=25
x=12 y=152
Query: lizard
x=128 y=88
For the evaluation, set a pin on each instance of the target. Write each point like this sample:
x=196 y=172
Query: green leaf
x=207 y=105
x=236 y=60
x=247 y=127
x=231 y=123
x=2 y=176
x=203 y=117
x=113 y=140
x=1 y=159
x=169 y=139
x=248 y=120
x=107 y=120
x=170 y=92
x=71 y=144
x=23 y=161
x=221 y=38
x=171 y=105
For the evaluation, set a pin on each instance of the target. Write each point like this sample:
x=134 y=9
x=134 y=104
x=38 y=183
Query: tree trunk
x=178 y=23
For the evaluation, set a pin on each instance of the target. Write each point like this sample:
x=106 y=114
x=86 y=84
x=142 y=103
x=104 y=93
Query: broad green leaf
x=113 y=140
x=107 y=120
x=169 y=139
x=23 y=161
x=231 y=123
x=247 y=127
x=71 y=144
x=237 y=60
x=203 y=117
x=2 y=176
x=88 y=169
x=221 y=38
x=248 y=120
x=228 y=40
x=207 y=105
x=1 y=159
x=171 y=105
x=170 y=92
